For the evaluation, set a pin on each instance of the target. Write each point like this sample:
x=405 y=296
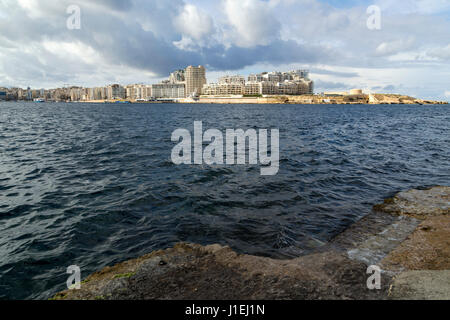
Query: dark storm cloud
x=278 y=51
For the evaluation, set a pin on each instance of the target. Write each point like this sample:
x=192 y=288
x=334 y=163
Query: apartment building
x=115 y=91
x=232 y=79
x=195 y=80
x=168 y=90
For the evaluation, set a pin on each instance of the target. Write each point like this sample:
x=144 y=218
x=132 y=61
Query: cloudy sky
x=141 y=41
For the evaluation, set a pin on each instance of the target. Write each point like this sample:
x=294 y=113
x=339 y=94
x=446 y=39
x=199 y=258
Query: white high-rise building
x=195 y=80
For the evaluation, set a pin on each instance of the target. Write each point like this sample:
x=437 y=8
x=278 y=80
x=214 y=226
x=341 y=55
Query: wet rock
x=408 y=232
x=195 y=272
x=424 y=257
x=375 y=236
x=421 y=285
x=428 y=248
x=420 y=204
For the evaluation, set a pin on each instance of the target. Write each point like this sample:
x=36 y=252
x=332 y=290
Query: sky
x=142 y=41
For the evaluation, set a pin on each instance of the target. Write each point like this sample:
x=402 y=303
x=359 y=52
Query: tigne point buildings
x=185 y=85
x=181 y=84
x=195 y=80
x=267 y=83
x=191 y=83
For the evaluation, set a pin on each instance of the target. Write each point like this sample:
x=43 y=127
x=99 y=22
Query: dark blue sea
x=93 y=184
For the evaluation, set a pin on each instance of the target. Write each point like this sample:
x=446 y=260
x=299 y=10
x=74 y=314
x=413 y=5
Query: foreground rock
x=422 y=285
x=408 y=236
x=420 y=204
x=428 y=248
x=194 y=272
x=422 y=261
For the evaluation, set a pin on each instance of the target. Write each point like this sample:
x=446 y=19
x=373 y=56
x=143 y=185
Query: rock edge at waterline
x=408 y=237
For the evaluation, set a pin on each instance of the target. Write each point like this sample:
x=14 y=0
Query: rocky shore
x=373 y=99
x=407 y=236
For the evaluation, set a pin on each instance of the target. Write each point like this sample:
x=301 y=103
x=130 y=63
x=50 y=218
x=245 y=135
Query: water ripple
x=93 y=185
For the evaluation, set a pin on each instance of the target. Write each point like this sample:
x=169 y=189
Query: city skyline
x=180 y=84
x=408 y=54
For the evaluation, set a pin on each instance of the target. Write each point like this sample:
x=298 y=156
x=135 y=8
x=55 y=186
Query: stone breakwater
x=408 y=237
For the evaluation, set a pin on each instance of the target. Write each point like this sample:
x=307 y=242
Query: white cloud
x=413 y=6
x=447 y=94
x=31 y=6
x=122 y=40
x=393 y=47
x=441 y=53
x=73 y=51
x=194 y=23
x=253 y=21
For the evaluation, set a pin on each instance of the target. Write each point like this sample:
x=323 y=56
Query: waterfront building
x=304 y=86
x=268 y=88
x=167 y=90
x=35 y=94
x=255 y=78
x=232 y=80
x=90 y=94
x=274 y=77
x=287 y=87
x=3 y=94
x=178 y=77
x=101 y=93
x=301 y=74
x=130 y=92
x=115 y=92
x=295 y=87
x=277 y=76
x=139 y=92
x=98 y=93
x=136 y=91
x=223 y=89
x=20 y=93
x=195 y=80
x=295 y=82
x=29 y=94
x=60 y=94
x=74 y=93
x=252 y=88
x=85 y=95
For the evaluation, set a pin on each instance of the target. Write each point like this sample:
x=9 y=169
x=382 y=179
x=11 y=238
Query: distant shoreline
x=358 y=99
x=368 y=99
